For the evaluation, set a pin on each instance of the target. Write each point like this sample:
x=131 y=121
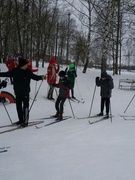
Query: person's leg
x=72 y=92
x=102 y=104
x=57 y=106
x=63 y=99
x=61 y=108
x=107 y=105
x=50 y=92
x=19 y=109
x=26 y=109
x=102 y=107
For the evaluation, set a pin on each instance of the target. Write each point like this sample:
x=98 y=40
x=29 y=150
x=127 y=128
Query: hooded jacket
x=106 y=85
x=72 y=75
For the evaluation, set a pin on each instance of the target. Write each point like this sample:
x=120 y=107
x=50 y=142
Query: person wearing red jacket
x=11 y=63
x=30 y=66
x=52 y=72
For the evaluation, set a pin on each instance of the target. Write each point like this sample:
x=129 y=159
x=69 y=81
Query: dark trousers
x=106 y=102
x=22 y=107
x=72 y=92
x=59 y=105
x=50 y=92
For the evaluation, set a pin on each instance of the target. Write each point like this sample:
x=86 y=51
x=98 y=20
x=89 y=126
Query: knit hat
x=71 y=66
x=22 y=62
x=62 y=74
x=104 y=74
x=52 y=60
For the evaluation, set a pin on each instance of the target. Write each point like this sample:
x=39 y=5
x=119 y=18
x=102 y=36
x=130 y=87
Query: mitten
x=4 y=84
x=97 y=80
x=44 y=77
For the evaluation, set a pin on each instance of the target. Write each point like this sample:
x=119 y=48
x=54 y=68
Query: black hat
x=62 y=74
x=22 y=62
x=104 y=74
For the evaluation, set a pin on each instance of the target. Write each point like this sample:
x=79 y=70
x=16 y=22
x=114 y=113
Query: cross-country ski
x=54 y=122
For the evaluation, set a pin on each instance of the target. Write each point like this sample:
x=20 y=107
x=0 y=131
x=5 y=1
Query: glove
x=44 y=77
x=97 y=80
x=4 y=84
x=66 y=70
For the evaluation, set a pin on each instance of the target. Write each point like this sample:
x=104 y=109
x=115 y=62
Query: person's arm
x=6 y=74
x=36 y=77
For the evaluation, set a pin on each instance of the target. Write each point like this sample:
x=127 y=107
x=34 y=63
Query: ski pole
x=129 y=103
x=56 y=92
x=36 y=85
x=110 y=111
x=27 y=116
x=71 y=108
x=92 y=100
x=7 y=112
x=79 y=90
x=35 y=95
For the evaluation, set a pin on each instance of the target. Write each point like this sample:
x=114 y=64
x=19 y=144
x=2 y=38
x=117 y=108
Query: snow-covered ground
x=72 y=149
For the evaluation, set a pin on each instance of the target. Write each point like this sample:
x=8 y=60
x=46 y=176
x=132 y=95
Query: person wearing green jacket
x=71 y=73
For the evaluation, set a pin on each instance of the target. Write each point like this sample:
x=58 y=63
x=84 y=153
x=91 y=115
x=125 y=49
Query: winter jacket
x=21 y=80
x=31 y=69
x=72 y=75
x=11 y=63
x=64 y=86
x=30 y=66
x=106 y=86
x=52 y=71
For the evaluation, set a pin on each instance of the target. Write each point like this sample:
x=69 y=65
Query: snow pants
x=59 y=105
x=106 y=102
x=22 y=107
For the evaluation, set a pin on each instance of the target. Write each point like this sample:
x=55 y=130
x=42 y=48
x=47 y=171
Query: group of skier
x=22 y=74
x=65 y=84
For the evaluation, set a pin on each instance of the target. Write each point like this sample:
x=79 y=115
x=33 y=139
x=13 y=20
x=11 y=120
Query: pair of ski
x=54 y=122
x=76 y=100
x=127 y=117
x=100 y=118
x=4 y=149
x=15 y=127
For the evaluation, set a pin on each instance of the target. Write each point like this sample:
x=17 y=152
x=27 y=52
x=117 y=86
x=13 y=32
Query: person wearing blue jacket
x=105 y=82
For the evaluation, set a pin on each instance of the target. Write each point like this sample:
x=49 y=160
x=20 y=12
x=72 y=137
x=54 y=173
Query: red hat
x=52 y=60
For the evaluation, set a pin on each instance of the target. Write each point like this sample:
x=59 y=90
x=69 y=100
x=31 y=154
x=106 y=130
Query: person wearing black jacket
x=64 y=86
x=21 y=84
x=106 y=85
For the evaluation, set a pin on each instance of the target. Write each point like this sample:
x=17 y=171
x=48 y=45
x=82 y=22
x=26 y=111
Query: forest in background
x=90 y=33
